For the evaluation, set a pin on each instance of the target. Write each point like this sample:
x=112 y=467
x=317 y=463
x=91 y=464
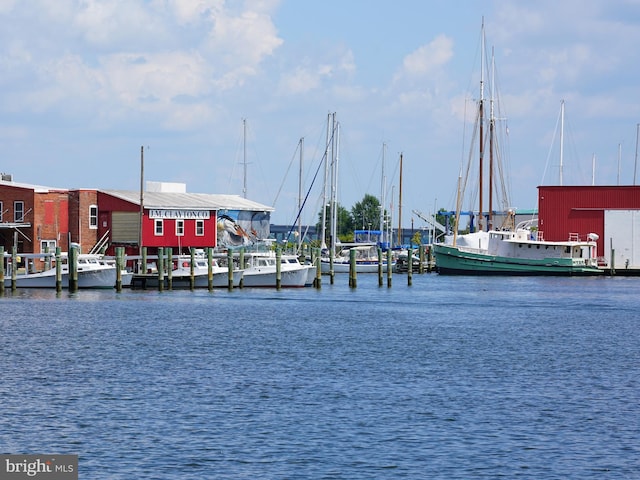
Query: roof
x=193 y=201
x=35 y=188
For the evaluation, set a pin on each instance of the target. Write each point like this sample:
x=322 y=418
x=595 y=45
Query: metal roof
x=194 y=201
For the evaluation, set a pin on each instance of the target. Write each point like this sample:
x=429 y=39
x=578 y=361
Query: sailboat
x=510 y=249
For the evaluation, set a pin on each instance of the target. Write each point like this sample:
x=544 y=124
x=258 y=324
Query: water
x=454 y=377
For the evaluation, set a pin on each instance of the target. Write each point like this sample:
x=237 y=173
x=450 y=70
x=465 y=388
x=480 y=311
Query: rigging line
x=293 y=157
x=315 y=176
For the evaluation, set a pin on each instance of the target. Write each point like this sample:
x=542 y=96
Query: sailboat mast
x=141 y=205
x=334 y=187
x=635 y=165
x=492 y=126
x=244 y=161
x=382 y=196
x=300 y=194
x=400 y=205
x=324 y=185
x=561 y=138
x=481 y=136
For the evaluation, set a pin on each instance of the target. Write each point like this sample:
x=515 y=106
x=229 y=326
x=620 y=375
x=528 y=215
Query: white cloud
x=427 y=58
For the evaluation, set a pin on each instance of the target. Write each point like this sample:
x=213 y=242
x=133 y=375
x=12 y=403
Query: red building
x=611 y=212
x=34 y=218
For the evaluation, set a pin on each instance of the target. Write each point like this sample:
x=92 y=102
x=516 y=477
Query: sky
x=213 y=88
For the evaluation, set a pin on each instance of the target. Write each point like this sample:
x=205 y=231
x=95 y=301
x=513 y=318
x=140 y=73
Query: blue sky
x=85 y=84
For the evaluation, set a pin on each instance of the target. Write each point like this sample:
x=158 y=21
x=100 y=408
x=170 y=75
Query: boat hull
x=267 y=278
x=451 y=260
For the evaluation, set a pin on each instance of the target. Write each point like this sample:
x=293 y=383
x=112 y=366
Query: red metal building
x=611 y=212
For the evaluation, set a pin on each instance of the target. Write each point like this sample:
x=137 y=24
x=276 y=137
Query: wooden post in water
x=160 y=266
x=230 y=269
x=380 y=269
x=389 y=267
x=421 y=258
x=47 y=259
x=353 y=280
x=119 y=255
x=210 y=268
x=241 y=265
x=410 y=266
x=169 y=262
x=613 y=258
x=318 y=264
x=73 y=269
x=429 y=258
x=143 y=265
x=331 y=271
x=14 y=267
x=278 y=267
x=1 y=269
x=58 y=270
x=192 y=271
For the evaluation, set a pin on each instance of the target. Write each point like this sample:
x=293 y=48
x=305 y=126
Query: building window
x=18 y=212
x=199 y=228
x=159 y=227
x=179 y=228
x=47 y=244
x=93 y=217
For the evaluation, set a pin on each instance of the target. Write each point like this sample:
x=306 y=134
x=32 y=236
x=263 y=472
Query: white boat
x=261 y=270
x=366 y=259
x=93 y=272
x=181 y=273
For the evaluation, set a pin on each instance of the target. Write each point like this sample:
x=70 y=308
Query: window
x=18 y=212
x=199 y=228
x=179 y=228
x=93 y=217
x=50 y=244
x=159 y=227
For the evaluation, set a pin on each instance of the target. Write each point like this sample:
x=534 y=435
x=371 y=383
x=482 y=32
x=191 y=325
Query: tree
x=344 y=223
x=366 y=213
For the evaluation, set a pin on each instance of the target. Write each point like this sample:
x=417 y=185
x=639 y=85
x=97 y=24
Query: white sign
x=182 y=214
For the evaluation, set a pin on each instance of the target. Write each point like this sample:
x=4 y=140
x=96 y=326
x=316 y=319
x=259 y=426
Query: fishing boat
x=510 y=249
x=93 y=272
x=366 y=259
x=181 y=274
x=261 y=271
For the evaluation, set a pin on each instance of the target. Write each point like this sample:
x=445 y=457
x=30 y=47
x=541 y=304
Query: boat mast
x=382 y=197
x=244 y=158
x=400 y=205
x=635 y=165
x=492 y=127
x=561 y=138
x=481 y=136
x=334 y=189
x=300 y=195
x=324 y=185
x=141 y=206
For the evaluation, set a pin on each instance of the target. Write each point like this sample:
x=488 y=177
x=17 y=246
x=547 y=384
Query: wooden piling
x=160 y=266
x=168 y=251
x=353 y=275
x=421 y=258
x=14 y=267
x=73 y=269
x=143 y=265
x=119 y=258
x=241 y=265
x=380 y=269
x=210 y=268
x=278 y=268
x=318 y=264
x=192 y=271
x=389 y=267
x=230 y=269
x=58 y=270
x=410 y=266
x=1 y=269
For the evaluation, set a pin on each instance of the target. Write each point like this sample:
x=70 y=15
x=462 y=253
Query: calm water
x=451 y=378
